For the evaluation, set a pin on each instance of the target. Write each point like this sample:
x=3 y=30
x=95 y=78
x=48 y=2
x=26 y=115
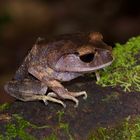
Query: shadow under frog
x=61 y=59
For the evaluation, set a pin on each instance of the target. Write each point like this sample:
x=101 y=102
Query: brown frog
x=61 y=59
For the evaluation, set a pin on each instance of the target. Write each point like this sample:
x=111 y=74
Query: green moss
x=125 y=70
x=4 y=106
x=63 y=125
x=18 y=126
x=128 y=130
x=17 y=129
x=111 y=97
x=60 y=114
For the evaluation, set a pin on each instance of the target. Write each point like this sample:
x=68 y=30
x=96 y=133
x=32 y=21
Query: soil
x=105 y=106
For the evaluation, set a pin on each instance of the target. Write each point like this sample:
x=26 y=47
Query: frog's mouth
x=88 y=62
x=86 y=69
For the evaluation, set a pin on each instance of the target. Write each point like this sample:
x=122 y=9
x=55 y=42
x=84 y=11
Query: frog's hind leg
x=45 y=99
x=29 y=90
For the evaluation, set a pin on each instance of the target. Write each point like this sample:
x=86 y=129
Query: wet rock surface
x=103 y=107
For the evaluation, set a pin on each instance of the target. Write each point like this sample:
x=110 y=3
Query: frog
x=49 y=63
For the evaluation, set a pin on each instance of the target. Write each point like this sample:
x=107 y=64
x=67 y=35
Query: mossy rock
x=125 y=70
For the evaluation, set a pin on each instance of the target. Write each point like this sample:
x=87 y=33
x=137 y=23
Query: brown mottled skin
x=61 y=59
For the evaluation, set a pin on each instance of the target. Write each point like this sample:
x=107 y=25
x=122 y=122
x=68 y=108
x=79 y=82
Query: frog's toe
x=49 y=98
x=51 y=94
x=77 y=103
x=45 y=102
x=82 y=93
x=85 y=95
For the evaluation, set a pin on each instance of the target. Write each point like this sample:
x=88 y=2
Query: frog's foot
x=65 y=96
x=45 y=98
x=49 y=98
x=74 y=94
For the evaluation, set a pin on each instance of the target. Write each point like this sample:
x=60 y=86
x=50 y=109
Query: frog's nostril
x=87 y=57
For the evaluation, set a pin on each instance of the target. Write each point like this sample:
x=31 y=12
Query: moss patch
x=4 y=106
x=125 y=70
x=17 y=128
x=127 y=130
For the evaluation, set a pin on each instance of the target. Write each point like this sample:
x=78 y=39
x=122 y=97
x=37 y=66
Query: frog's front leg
x=29 y=90
x=97 y=75
x=56 y=86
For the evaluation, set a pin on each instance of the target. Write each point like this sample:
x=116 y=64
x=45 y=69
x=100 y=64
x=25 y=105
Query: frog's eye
x=87 y=58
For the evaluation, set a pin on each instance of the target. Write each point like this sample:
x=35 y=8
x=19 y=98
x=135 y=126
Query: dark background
x=22 y=21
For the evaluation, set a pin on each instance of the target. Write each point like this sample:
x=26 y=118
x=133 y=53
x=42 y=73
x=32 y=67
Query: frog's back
x=33 y=55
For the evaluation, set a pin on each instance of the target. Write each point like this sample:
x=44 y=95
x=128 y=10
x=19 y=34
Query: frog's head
x=86 y=56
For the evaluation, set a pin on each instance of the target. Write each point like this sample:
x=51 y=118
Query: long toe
x=76 y=94
x=76 y=104
x=48 y=98
x=85 y=95
x=45 y=102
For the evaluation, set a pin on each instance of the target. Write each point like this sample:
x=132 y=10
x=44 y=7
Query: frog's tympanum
x=62 y=59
